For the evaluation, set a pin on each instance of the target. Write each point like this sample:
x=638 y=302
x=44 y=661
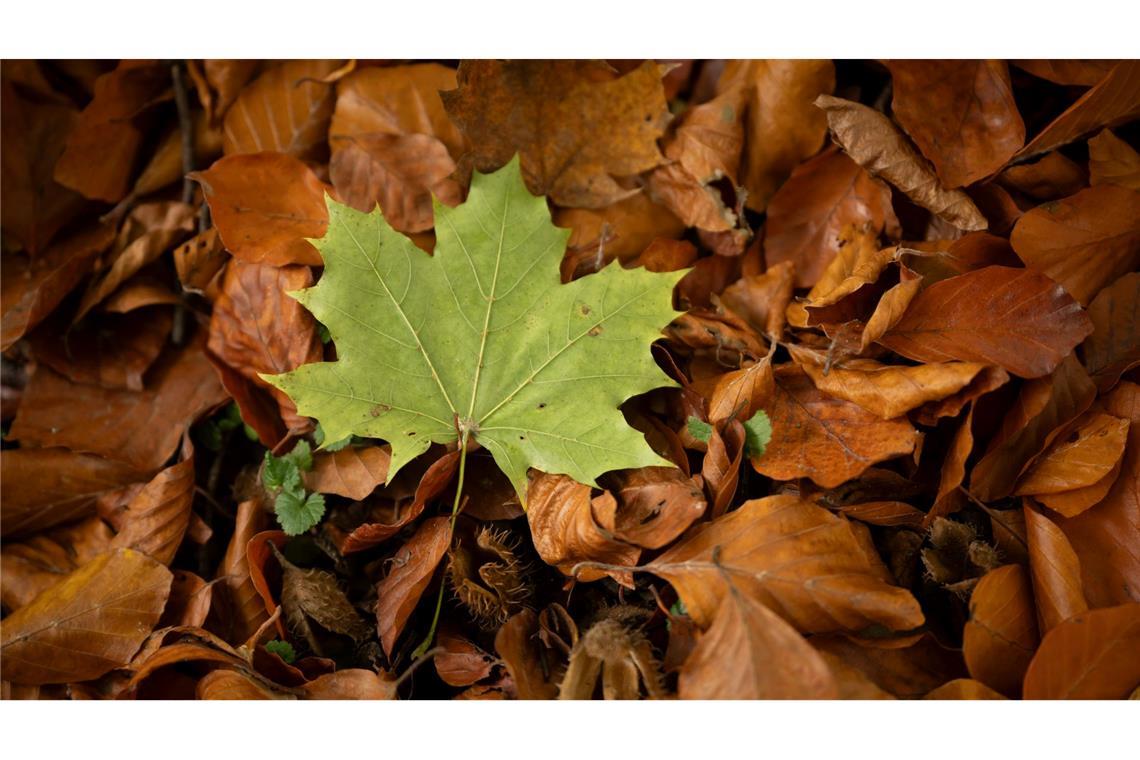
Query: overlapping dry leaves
x=924 y=272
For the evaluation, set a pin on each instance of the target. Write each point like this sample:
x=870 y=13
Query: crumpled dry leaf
x=92 y=621
x=1114 y=346
x=782 y=128
x=1084 y=242
x=1092 y=656
x=877 y=145
x=576 y=126
x=1113 y=161
x=1001 y=636
x=566 y=530
x=817 y=570
x=1017 y=319
x=285 y=110
x=808 y=215
x=412 y=569
x=825 y=438
x=655 y=505
x=265 y=206
x=750 y=652
x=961 y=114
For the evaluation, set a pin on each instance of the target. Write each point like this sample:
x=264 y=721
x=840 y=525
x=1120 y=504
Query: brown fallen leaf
x=241 y=603
x=1072 y=503
x=813 y=568
x=822 y=198
x=46 y=487
x=35 y=206
x=576 y=126
x=351 y=472
x=906 y=668
x=234 y=684
x=822 y=437
x=199 y=259
x=878 y=146
x=961 y=114
x=1113 y=348
x=1068 y=71
x=140 y=429
x=165 y=165
x=721 y=466
x=655 y=505
x=781 y=126
x=1055 y=570
x=565 y=525
x=412 y=569
x=740 y=393
x=1017 y=319
x=258 y=329
x=284 y=110
x=219 y=82
x=99 y=159
x=1104 y=536
x=1079 y=458
x=517 y=644
x=1084 y=242
x=157 y=517
x=750 y=652
x=1049 y=178
x=189 y=602
x=1042 y=408
x=1114 y=100
x=1092 y=656
x=351 y=683
x=461 y=663
x=1001 y=636
x=950 y=497
x=963 y=688
x=762 y=299
x=1113 y=161
x=620 y=230
x=94 y=620
x=33 y=288
x=266 y=206
x=33 y=566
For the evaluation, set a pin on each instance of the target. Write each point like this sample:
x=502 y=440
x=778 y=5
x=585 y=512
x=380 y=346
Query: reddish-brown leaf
x=1055 y=570
x=963 y=688
x=351 y=472
x=94 y=620
x=1001 y=636
x=825 y=438
x=352 y=683
x=411 y=571
x=1092 y=656
x=961 y=114
x=1113 y=161
x=110 y=350
x=1114 y=346
x=517 y=643
x=576 y=125
x=1017 y=319
x=750 y=652
x=461 y=663
x=242 y=606
x=157 y=517
x=655 y=505
x=818 y=571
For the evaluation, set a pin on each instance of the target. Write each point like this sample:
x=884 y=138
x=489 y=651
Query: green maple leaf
x=482 y=338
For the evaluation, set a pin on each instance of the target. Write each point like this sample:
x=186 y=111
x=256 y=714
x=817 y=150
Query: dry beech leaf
x=695 y=204
x=92 y=621
x=109 y=350
x=960 y=114
x=721 y=466
x=461 y=663
x=219 y=81
x=34 y=133
x=1114 y=346
x=576 y=125
x=1085 y=72
x=189 y=602
x=1114 y=100
x=620 y=230
x=140 y=429
x=963 y=688
x=822 y=198
x=750 y=652
x=517 y=644
x=1017 y=319
x=1084 y=242
x=265 y=206
x=1092 y=656
x=32 y=289
x=1055 y=570
x=256 y=328
x=1113 y=162
x=1053 y=176
x=1104 y=537
x=1085 y=456
x=351 y=472
x=825 y=438
x=1044 y=405
x=44 y=487
x=762 y=299
x=566 y=530
x=284 y=110
x=740 y=393
x=40 y=562
x=781 y=126
x=351 y=683
x=950 y=498
x=800 y=560
x=655 y=505
x=1001 y=636
x=878 y=146
x=157 y=517
x=243 y=606
x=1072 y=503
x=907 y=668
x=233 y=684
x=411 y=571
x=199 y=259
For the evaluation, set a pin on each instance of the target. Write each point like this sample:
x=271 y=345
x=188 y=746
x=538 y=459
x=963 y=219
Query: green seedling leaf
x=297 y=512
x=301 y=456
x=481 y=339
x=282 y=649
x=757 y=433
x=319 y=437
x=699 y=429
x=278 y=472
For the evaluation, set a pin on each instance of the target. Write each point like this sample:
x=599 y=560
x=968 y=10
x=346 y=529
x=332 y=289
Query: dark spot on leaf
x=595 y=331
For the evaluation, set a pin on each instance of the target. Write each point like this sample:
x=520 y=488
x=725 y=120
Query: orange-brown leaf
x=1092 y=656
x=1001 y=636
x=1114 y=346
x=351 y=472
x=412 y=569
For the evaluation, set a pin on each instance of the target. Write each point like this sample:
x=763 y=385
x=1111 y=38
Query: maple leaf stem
x=421 y=650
